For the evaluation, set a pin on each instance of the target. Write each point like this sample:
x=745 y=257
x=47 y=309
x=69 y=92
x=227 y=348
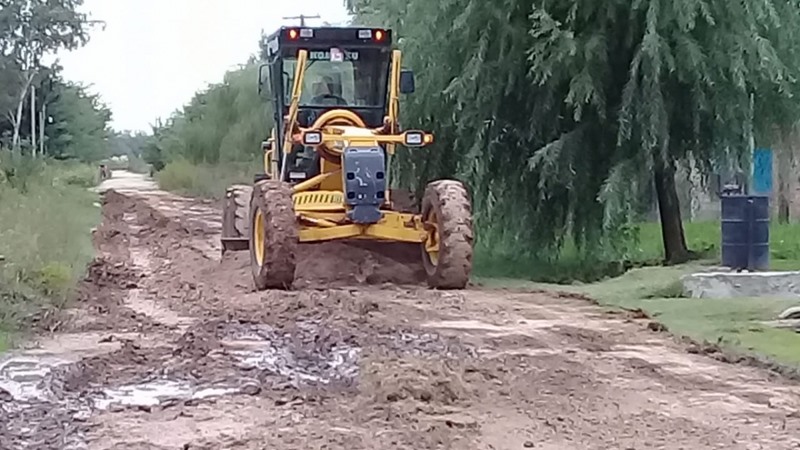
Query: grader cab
x=336 y=95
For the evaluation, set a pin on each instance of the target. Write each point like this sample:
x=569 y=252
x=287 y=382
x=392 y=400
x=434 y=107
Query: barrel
x=745 y=232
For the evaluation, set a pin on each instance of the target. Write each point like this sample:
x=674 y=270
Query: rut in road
x=169 y=348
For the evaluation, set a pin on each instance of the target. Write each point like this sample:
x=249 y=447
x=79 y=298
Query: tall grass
x=206 y=181
x=46 y=217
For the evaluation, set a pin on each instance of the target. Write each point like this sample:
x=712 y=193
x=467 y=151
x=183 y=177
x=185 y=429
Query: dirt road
x=169 y=348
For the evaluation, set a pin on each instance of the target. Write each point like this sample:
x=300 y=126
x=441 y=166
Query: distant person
x=104 y=172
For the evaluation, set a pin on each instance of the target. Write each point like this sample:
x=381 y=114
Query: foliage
x=79 y=128
x=557 y=114
x=46 y=212
x=128 y=143
x=45 y=221
x=223 y=123
x=31 y=30
x=213 y=141
x=79 y=175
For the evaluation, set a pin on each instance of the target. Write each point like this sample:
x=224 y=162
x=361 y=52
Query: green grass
x=731 y=323
x=569 y=267
x=205 y=181
x=46 y=217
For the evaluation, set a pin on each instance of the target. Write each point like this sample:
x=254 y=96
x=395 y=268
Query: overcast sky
x=155 y=54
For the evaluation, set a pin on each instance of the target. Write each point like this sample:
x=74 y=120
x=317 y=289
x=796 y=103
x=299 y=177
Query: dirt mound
x=354 y=262
x=122 y=366
x=338 y=264
x=428 y=381
x=107 y=272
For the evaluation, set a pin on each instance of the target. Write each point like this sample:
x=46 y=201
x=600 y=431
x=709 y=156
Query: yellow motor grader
x=335 y=94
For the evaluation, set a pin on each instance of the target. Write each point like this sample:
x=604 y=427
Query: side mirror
x=263 y=80
x=407 y=84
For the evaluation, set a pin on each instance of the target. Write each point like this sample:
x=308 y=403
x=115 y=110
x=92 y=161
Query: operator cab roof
x=326 y=37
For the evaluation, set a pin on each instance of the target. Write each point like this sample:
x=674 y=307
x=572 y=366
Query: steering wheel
x=339 y=100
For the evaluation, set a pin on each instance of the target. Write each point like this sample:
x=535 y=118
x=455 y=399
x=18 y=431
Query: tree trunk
x=15 y=141
x=15 y=144
x=783 y=210
x=675 y=249
x=33 y=121
x=42 y=120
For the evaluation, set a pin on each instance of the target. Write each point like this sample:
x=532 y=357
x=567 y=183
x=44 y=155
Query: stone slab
x=742 y=284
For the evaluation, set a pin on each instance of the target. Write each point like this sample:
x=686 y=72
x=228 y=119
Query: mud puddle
x=157 y=393
x=292 y=356
x=24 y=373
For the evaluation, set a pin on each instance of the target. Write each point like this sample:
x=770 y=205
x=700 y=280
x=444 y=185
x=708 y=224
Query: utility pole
x=302 y=18
x=42 y=119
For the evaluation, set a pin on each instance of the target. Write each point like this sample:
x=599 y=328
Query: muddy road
x=168 y=347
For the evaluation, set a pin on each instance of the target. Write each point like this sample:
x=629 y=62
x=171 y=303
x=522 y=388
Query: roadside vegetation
x=46 y=217
x=53 y=134
x=215 y=140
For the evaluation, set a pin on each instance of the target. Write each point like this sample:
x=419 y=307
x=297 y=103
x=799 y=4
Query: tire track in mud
x=169 y=348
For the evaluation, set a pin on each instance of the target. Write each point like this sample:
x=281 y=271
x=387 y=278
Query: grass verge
x=46 y=217
x=734 y=324
x=205 y=181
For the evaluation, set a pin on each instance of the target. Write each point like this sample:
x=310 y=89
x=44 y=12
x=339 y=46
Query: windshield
x=348 y=78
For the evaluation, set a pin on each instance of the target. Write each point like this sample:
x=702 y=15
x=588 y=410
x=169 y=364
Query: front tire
x=447 y=251
x=273 y=235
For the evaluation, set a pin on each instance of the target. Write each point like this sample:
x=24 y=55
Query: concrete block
x=742 y=284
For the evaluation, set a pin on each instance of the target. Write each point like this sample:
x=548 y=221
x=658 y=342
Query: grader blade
x=235 y=220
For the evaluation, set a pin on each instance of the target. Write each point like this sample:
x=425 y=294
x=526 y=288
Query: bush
x=138 y=165
x=202 y=180
x=79 y=175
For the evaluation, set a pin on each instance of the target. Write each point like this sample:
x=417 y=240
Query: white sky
x=155 y=54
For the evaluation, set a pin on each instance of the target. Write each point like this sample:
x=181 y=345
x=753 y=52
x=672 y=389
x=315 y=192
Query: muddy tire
x=446 y=204
x=236 y=212
x=274 y=237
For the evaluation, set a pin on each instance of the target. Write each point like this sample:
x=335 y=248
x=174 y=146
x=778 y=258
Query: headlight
x=414 y=138
x=312 y=138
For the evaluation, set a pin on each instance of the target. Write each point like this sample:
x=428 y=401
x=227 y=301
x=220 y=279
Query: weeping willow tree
x=559 y=113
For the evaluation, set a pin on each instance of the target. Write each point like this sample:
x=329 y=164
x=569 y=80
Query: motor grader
x=335 y=93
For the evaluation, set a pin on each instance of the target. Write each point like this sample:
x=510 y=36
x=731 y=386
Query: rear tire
x=446 y=204
x=273 y=235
